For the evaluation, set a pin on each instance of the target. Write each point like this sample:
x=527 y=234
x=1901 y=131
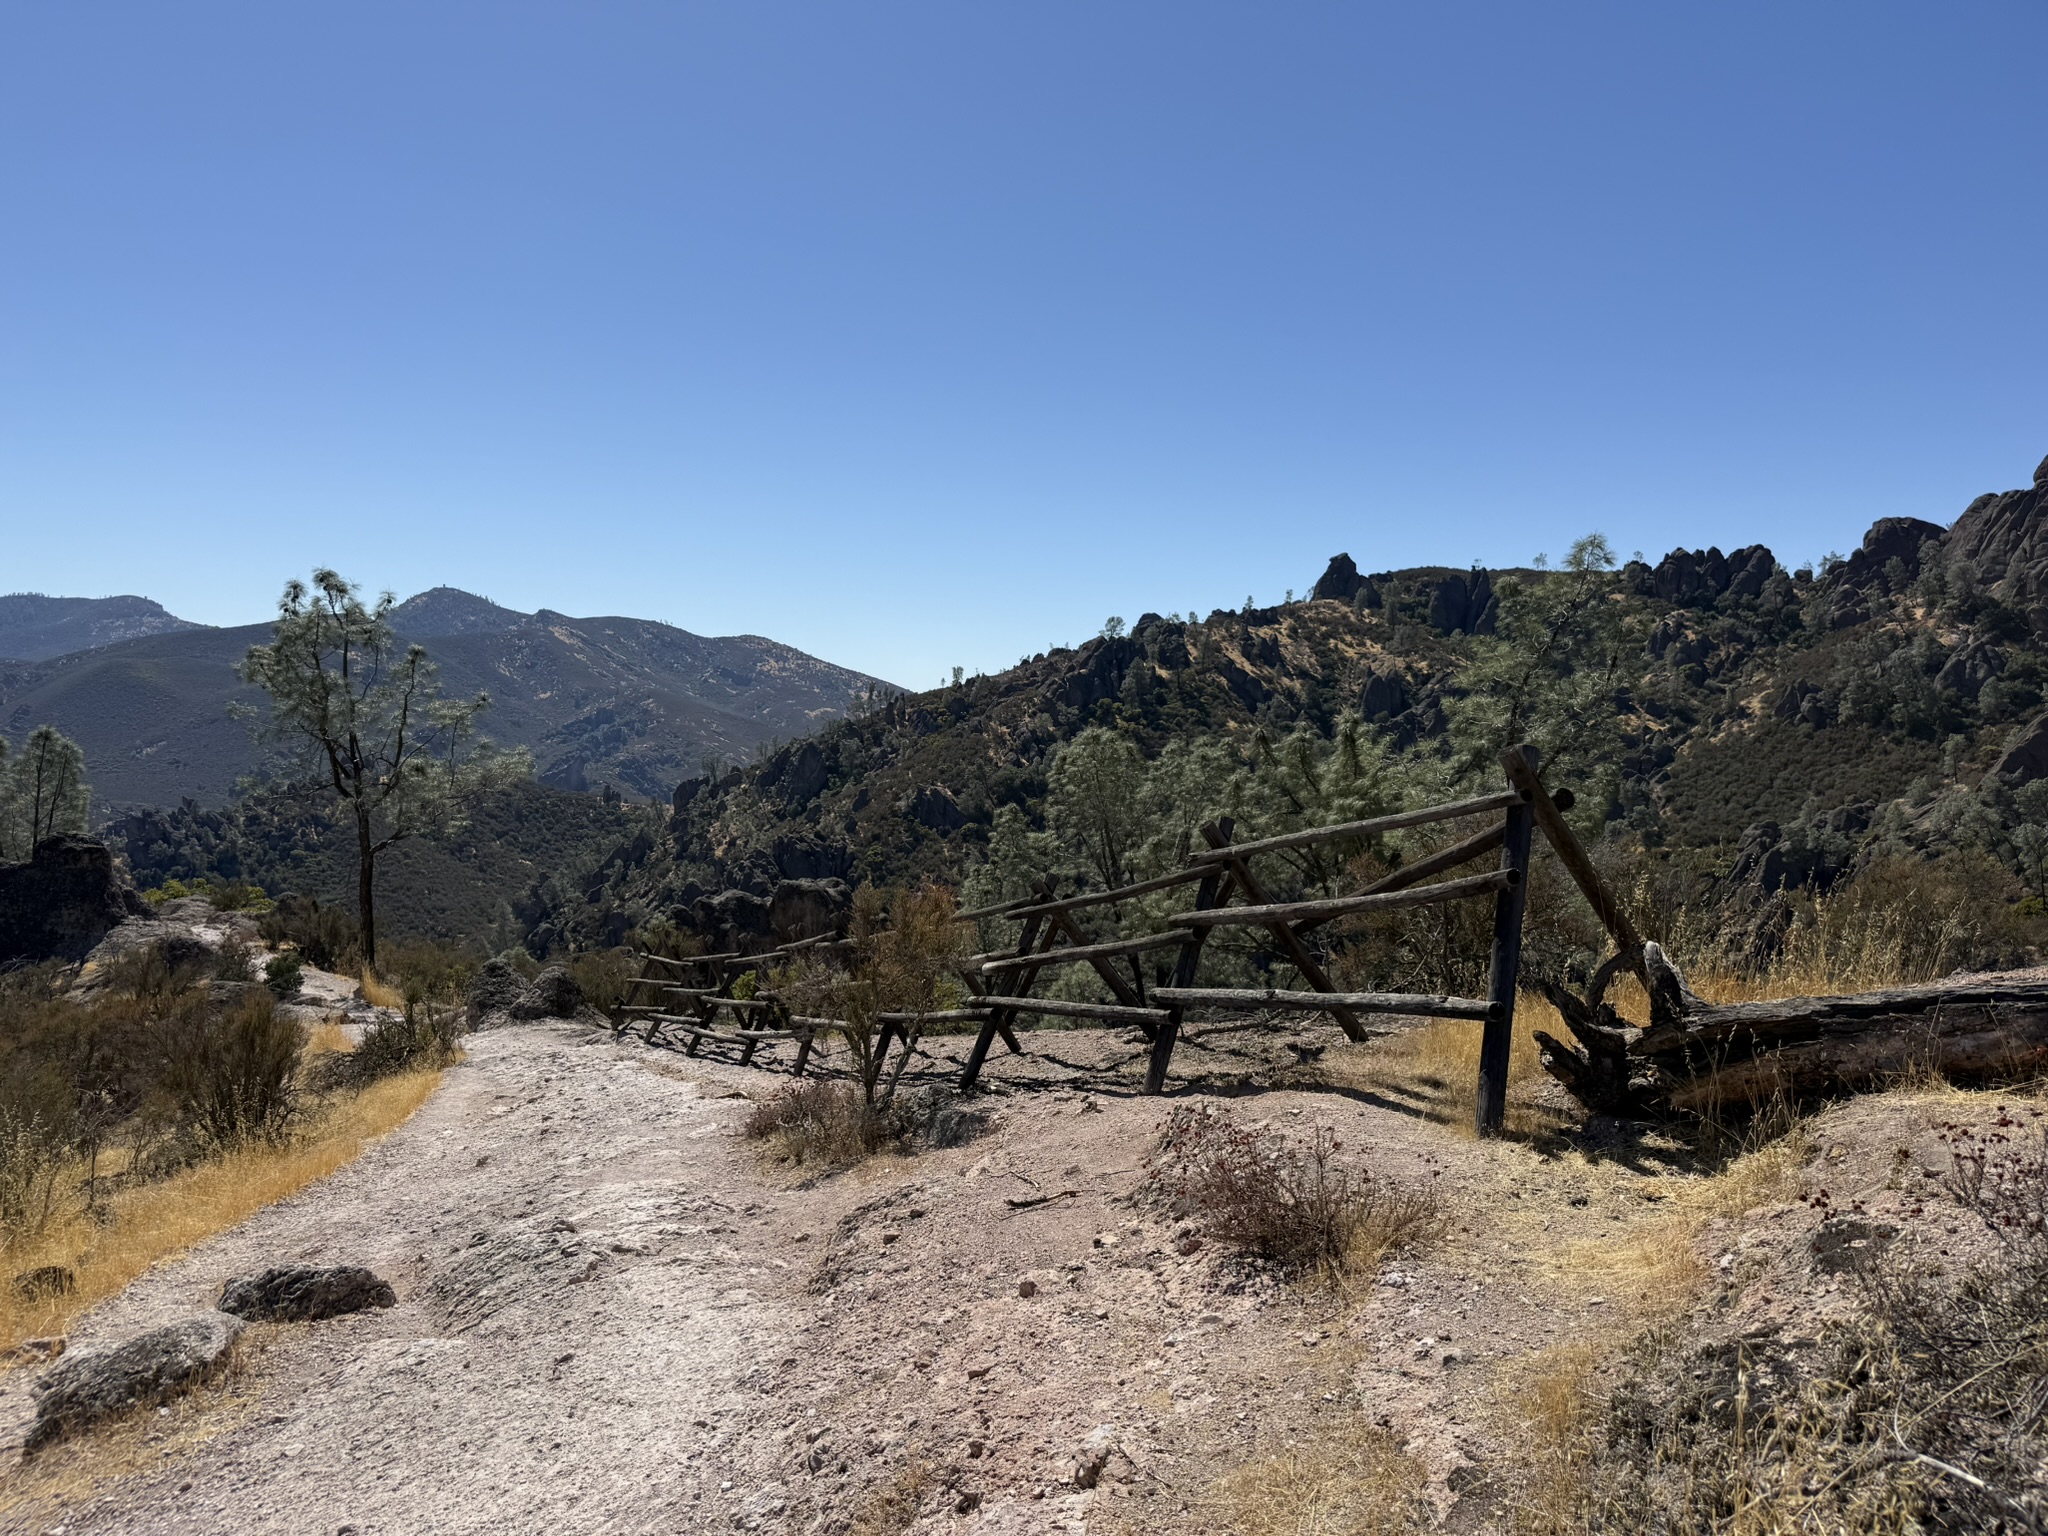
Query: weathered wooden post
x=1495 y=1044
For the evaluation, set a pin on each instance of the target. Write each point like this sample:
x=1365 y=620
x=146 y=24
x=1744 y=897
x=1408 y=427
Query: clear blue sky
x=929 y=334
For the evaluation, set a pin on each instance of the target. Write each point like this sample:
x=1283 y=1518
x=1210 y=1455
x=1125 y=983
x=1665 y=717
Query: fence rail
x=1229 y=894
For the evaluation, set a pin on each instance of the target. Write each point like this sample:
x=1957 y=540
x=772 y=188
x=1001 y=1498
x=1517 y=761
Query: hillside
x=599 y=700
x=34 y=627
x=1751 y=707
x=482 y=885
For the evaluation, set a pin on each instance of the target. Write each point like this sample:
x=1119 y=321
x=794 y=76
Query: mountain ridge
x=609 y=699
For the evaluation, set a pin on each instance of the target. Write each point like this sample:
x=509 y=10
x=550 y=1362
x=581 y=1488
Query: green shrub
x=326 y=936
x=230 y=1075
x=284 y=974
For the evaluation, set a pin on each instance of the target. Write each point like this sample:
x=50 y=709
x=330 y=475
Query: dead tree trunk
x=1706 y=1058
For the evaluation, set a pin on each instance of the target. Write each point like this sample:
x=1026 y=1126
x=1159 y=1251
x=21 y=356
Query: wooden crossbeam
x=1342 y=906
x=1114 y=1012
x=1086 y=899
x=1088 y=952
x=1287 y=934
x=1423 y=1005
x=1477 y=806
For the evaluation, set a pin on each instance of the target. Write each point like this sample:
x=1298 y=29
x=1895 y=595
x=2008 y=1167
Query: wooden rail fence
x=693 y=998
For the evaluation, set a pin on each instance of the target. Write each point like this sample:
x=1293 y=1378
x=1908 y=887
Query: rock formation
x=62 y=902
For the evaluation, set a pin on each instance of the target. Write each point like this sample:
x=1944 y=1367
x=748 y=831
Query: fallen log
x=1705 y=1058
x=1969 y=1029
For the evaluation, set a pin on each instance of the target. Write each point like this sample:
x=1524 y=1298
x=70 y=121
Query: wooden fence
x=697 y=1000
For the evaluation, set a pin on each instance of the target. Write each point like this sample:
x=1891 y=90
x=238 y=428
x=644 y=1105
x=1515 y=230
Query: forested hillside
x=1723 y=721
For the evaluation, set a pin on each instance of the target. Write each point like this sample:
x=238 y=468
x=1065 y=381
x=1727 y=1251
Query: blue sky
x=932 y=334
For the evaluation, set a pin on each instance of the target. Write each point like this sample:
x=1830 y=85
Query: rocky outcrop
x=495 y=988
x=160 y=1364
x=747 y=921
x=2006 y=538
x=2026 y=758
x=62 y=902
x=1341 y=582
x=1699 y=578
x=797 y=777
x=1463 y=603
x=1890 y=538
x=553 y=994
x=300 y=1294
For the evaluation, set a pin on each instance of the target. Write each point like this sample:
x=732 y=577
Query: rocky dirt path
x=617 y=1315
x=583 y=1297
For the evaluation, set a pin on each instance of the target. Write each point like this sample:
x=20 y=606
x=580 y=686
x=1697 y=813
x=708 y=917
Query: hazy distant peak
x=452 y=611
x=34 y=627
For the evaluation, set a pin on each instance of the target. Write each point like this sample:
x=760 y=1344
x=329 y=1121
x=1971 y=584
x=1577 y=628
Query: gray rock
x=301 y=1294
x=2026 y=759
x=496 y=988
x=160 y=1364
x=553 y=994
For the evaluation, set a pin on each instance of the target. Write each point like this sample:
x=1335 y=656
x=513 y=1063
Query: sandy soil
x=616 y=1315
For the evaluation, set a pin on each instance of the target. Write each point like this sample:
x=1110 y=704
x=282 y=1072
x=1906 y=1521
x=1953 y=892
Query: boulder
x=305 y=1295
x=1970 y=669
x=495 y=988
x=62 y=902
x=158 y=1365
x=934 y=807
x=553 y=994
x=2026 y=759
x=808 y=909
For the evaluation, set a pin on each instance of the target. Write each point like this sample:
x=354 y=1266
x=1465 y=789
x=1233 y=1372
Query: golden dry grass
x=380 y=993
x=1433 y=1071
x=154 y=1221
x=1356 y=1483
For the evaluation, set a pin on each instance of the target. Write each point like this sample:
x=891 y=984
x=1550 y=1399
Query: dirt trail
x=582 y=1297
x=615 y=1315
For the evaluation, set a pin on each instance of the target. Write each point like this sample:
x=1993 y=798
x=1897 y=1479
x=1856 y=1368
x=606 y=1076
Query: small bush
x=233 y=961
x=1292 y=1203
x=230 y=1075
x=284 y=974
x=423 y=971
x=422 y=1036
x=30 y=1156
x=604 y=975
x=327 y=936
x=832 y=1124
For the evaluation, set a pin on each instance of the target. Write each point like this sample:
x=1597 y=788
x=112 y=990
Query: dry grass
x=154 y=1221
x=1356 y=1484
x=380 y=993
x=1433 y=1071
x=1295 y=1203
x=1655 y=1269
x=891 y=1509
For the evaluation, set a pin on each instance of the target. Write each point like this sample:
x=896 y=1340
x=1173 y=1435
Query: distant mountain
x=34 y=627
x=442 y=611
x=613 y=700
